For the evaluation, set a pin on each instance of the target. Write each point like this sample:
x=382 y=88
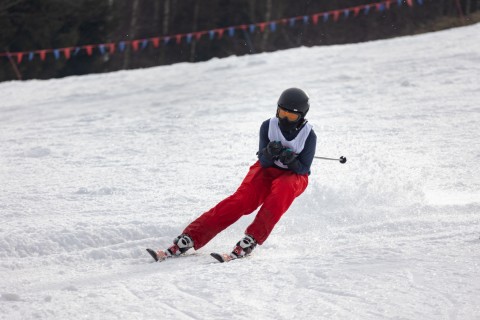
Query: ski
x=160 y=255
x=156 y=256
x=225 y=257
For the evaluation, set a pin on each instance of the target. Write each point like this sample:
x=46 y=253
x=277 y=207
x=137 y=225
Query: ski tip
x=217 y=256
x=153 y=254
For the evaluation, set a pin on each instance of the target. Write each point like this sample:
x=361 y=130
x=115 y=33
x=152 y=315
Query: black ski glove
x=273 y=150
x=287 y=156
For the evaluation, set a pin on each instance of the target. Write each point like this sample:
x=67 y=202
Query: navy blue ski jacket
x=302 y=163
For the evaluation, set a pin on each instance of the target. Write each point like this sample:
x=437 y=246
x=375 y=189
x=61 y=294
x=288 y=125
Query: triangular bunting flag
x=262 y=26
x=19 y=57
x=336 y=15
x=67 y=52
x=135 y=45
x=273 y=26
x=89 y=50
x=43 y=54
x=111 y=48
x=325 y=16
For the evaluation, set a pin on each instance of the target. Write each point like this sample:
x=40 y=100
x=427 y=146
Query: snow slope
x=94 y=169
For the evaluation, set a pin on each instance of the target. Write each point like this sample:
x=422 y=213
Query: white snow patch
x=96 y=168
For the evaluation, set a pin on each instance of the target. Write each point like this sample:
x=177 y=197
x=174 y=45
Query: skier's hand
x=287 y=156
x=274 y=148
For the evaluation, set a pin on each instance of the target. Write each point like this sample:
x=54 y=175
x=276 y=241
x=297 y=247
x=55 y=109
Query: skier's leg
x=250 y=194
x=285 y=188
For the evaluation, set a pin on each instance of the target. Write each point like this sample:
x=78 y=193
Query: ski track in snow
x=94 y=169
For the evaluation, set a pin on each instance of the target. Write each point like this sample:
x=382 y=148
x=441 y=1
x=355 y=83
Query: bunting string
x=141 y=44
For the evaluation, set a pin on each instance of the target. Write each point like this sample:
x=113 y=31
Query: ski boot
x=181 y=244
x=243 y=248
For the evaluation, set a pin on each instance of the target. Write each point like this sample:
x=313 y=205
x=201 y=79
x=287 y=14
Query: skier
x=286 y=151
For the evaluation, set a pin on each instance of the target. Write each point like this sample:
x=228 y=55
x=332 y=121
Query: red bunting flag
x=410 y=3
x=336 y=15
x=220 y=33
x=43 y=54
x=356 y=11
x=387 y=4
x=156 y=42
x=19 y=57
x=111 y=48
x=179 y=38
x=135 y=45
x=198 y=35
x=262 y=26
x=67 y=52
x=315 y=19
x=89 y=50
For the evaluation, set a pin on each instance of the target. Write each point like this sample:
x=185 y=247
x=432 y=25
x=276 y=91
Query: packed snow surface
x=95 y=169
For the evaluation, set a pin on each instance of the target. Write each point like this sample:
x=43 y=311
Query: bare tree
x=268 y=17
x=166 y=17
x=194 y=29
x=132 y=32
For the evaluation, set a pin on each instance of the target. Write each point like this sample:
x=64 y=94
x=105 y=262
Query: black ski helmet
x=294 y=99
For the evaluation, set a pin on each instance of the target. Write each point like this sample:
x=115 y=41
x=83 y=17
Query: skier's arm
x=302 y=163
x=265 y=160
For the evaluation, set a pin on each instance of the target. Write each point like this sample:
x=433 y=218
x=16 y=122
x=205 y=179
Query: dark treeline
x=28 y=25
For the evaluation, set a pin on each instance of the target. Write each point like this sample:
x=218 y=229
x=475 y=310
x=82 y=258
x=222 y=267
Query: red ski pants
x=274 y=188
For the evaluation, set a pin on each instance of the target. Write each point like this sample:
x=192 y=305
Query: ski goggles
x=289 y=115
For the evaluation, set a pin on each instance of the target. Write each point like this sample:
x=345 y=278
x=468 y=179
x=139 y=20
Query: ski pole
x=342 y=159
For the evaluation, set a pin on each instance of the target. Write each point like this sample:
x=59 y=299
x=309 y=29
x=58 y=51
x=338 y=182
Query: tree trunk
x=468 y=5
x=194 y=29
x=266 y=32
x=156 y=14
x=166 y=17
x=165 y=27
x=132 y=33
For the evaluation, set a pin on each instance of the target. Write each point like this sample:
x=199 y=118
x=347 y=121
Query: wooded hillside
x=57 y=38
